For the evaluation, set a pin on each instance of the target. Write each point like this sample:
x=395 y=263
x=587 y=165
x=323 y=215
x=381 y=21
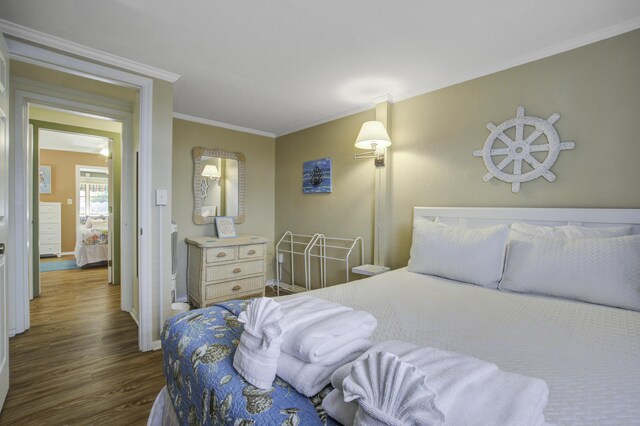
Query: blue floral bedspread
x=205 y=389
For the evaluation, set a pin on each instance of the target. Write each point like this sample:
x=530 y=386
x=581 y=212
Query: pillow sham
x=570 y=231
x=605 y=271
x=473 y=256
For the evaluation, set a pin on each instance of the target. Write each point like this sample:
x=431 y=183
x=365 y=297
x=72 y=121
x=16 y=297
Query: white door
x=4 y=189
x=110 y=210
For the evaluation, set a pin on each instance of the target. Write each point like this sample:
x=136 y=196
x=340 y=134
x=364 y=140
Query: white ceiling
x=76 y=142
x=279 y=66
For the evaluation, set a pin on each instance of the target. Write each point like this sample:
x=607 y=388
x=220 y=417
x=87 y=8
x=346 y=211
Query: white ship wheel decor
x=519 y=149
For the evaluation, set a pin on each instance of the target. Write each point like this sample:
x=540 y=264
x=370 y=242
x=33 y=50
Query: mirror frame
x=197 y=153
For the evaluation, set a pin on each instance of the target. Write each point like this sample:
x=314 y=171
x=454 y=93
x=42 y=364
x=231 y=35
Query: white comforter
x=92 y=245
x=589 y=355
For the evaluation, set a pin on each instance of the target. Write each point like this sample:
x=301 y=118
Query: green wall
x=595 y=88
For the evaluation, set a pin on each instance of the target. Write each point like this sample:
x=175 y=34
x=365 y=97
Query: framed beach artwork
x=44 y=177
x=316 y=176
x=225 y=227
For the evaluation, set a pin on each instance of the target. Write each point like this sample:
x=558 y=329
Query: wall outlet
x=69 y=201
x=280 y=258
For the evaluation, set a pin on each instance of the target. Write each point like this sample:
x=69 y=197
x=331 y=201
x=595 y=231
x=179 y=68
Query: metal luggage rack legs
x=313 y=246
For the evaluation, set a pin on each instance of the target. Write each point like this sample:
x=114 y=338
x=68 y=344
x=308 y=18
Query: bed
x=588 y=354
x=92 y=242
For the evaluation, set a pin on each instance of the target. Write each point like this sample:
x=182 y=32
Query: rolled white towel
x=470 y=391
x=390 y=392
x=257 y=354
x=308 y=378
x=319 y=331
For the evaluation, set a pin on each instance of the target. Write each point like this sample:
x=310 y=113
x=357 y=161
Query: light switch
x=69 y=201
x=161 y=197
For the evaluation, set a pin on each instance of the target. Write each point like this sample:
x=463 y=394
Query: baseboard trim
x=270 y=283
x=67 y=253
x=156 y=345
x=183 y=299
x=134 y=314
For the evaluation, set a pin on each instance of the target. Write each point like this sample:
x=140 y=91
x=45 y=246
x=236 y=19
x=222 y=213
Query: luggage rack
x=317 y=246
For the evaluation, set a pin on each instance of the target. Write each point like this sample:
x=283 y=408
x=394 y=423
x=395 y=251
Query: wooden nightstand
x=223 y=269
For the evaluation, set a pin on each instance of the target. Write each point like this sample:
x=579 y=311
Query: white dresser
x=50 y=224
x=223 y=269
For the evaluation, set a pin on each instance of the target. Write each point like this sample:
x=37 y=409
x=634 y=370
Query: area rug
x=58 y=266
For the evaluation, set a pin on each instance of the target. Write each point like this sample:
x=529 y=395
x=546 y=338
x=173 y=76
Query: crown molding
x=18 y=31
x=565 y=46
x=208 y=122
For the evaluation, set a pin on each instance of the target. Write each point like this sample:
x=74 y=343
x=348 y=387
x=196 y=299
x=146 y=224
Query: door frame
x=45 y=58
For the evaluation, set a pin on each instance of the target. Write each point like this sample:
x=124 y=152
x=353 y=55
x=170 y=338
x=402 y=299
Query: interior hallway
x=79 y=363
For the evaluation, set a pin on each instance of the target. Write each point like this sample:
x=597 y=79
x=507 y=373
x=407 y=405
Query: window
x=94 y=199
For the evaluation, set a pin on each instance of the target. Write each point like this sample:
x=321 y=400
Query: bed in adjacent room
x=587 y=353
x=92 y=242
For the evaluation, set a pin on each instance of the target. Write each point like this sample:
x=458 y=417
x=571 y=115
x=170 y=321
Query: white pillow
x=597 y=270
x=474 y=256
x=570 y=231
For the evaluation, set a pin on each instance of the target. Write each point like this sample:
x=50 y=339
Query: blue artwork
x=44 y=178
x=316 y=176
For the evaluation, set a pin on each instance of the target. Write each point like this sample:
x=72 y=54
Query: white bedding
x=92 y=245
x=589 y=355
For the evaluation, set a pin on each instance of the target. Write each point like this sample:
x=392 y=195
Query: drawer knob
x=236 y=288
x=222 y=254
x=237 y=270
x=251 y=252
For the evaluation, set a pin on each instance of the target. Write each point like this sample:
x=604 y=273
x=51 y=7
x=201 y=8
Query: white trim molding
x=76 y=66
x=208 y=122
x=34 y=36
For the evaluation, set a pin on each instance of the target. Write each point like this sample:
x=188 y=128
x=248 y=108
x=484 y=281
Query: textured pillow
x=596 y=270
x=473 y=256
x=570 y=231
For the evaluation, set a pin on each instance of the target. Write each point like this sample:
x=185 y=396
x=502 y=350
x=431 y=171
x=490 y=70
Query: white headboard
x=478 y=217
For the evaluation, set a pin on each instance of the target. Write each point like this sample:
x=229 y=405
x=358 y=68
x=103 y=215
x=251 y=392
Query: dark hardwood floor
x=79 y=363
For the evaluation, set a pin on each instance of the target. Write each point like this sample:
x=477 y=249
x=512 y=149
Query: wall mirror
x=218 y=185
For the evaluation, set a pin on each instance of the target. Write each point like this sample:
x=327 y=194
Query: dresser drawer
x=49 y=208
x=230 y=288
x=49 y=228
x=49 y=238
x=251 y=250
x=49 y=249
x=50 y=218
x=220 y=254
x=234 y=270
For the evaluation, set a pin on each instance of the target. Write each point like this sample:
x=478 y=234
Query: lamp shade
x=372 y=132
x=210 y=171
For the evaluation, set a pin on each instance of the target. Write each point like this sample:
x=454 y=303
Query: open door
x=110 y=210
x=4 y=190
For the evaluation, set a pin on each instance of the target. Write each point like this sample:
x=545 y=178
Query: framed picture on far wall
x=316 y=176
x=225 y=227
x=44 y=177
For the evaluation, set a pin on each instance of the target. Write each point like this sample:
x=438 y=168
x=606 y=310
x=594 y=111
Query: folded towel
x=319 y=331
x=257 y=354
x=390 y=392
x=308 y=378
x=470 y=391
x=334 y=405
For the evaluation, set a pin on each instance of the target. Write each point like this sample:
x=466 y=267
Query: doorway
x=77 y=178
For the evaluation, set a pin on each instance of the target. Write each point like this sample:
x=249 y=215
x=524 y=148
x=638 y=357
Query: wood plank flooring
x=79 y=363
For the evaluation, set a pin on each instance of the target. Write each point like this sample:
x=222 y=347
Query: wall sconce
x=210 y=172
x=375 y=138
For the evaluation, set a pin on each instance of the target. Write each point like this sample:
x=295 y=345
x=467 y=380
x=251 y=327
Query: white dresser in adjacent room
x=50 y=224
x=223 y=269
